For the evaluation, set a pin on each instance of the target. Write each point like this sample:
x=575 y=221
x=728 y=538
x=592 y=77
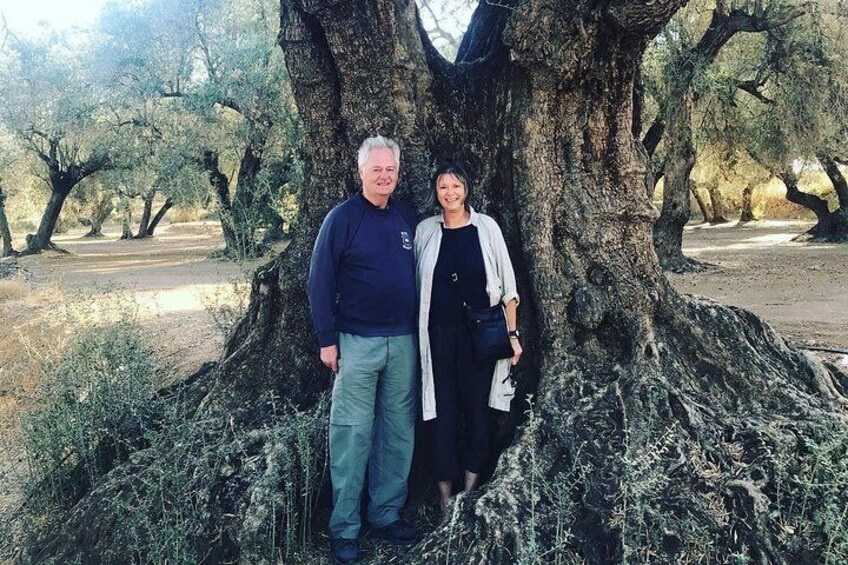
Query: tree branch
x=655 y=133
x=724 y=26
x=638 y=17
x=211 y=68
x=444 y=34
x=753 y=88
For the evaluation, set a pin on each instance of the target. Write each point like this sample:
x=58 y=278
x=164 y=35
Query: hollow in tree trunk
x=664 y=428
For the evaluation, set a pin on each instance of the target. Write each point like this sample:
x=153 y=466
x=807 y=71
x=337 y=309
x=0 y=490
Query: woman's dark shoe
x=345 y=551
x=399 y=532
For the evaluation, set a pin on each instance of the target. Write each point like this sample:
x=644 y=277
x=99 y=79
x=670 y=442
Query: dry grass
x=27 y=328
x=769 y=199
x=12 y=289
x=184 y=214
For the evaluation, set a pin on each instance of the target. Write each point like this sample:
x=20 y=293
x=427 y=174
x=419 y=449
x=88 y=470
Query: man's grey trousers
x=372 y=424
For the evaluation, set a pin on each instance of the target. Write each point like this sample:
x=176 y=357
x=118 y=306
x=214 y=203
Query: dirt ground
x=800 y=288
x=171 y=277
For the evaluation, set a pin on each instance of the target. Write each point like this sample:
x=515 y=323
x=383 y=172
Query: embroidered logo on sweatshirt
x=406 y=240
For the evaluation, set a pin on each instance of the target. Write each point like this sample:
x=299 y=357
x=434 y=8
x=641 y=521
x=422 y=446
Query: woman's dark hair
x=455 y=169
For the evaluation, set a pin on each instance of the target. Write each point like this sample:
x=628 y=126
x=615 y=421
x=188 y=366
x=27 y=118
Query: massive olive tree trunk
x=664 y=428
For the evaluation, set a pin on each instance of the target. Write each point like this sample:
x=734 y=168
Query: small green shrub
x=91 y=404
x=816 y=499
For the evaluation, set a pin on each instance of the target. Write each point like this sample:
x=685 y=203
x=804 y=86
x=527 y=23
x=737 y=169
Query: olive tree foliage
x=61 y=115
x=165 y=165
x=791 y=110
x=690 y=45
x=217 y=63
x=775 y=101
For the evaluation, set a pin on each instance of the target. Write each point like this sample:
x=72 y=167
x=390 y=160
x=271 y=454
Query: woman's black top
x=459 y=253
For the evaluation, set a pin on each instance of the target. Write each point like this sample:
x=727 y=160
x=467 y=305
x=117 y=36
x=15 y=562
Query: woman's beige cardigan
x=500 y=286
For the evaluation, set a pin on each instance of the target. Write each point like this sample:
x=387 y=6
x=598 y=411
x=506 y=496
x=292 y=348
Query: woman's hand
x=516 y=350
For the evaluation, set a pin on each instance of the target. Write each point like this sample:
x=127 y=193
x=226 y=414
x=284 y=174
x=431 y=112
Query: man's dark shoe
x=345 y=551
x=399 y=532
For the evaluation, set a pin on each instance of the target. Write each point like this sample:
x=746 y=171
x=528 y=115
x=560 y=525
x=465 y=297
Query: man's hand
x=330 y=357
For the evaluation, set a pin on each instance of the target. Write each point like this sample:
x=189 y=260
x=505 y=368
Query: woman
x=461 y=258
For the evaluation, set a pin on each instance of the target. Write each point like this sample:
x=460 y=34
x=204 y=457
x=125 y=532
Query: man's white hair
x=377 y=142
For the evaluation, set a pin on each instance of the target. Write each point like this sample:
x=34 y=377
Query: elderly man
x=363 y=299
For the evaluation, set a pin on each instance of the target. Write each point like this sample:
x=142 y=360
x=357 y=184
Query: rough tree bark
x=724 y=24
x=665 y=428
x=5 y=233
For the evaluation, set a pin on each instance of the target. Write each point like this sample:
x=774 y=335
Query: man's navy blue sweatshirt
x=362 y=273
